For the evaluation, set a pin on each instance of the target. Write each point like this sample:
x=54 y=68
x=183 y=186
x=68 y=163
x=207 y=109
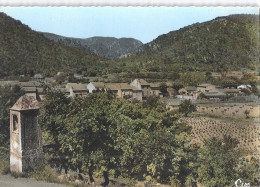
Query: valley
x=180 y=110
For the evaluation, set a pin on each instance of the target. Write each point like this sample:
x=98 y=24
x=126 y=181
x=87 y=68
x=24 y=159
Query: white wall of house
x=71 y=92
x=91 y=87
x=136 y=84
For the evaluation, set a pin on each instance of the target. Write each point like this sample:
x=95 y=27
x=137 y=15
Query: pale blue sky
x=142 y=23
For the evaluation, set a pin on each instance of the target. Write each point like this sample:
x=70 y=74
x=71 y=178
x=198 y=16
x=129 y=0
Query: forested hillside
x=24 y=51
x=108 y=47
x=225 y=43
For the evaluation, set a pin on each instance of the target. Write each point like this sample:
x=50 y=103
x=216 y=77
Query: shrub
x=187 y=107
x=4 y=166
x=44 y=173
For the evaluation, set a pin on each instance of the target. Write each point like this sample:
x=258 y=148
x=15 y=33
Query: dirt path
x=9 y=181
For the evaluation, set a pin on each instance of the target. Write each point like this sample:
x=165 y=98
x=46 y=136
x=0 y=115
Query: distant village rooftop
x=143 y=82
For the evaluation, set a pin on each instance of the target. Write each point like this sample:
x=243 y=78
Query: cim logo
x=240 y=183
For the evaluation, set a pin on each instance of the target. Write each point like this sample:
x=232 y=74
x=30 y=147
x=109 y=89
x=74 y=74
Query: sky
x=142 y=23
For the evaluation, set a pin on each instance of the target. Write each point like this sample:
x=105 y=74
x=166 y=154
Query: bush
x=4 y=166
x=44 y=173
x=187 y=107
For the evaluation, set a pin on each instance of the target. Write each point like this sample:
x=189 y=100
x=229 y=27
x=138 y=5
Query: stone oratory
x=26 y=151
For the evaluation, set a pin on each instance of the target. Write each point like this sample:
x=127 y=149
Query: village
x=210 y=99
x=129 y=96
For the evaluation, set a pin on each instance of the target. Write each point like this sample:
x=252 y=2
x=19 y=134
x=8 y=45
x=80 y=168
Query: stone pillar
x=25 y=136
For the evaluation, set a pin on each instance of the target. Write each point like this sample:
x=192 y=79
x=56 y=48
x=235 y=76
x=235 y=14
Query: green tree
x=152 y=102
x=217 y=161
x=192 y=78
x=115 y=137
x=52 y=119
x=248 y=171
x=163 y=88
x=153 y=144
x=247 y=112
x=186 y=107
x=177 y=86
x=8 y=97
x=255 y=90
x=229 y=82
x=249 y=78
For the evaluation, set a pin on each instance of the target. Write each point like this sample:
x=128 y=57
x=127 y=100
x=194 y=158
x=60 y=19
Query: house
x=215 y=94
x=188 y=91
x=38 y=77
x=32 y=88
x=61 y=74
x=137 y=95
x=172 y=104
x=243 y=86
x=141 y=84
x=96 y=86
x=30 y=84
x=130 y=92
x=49 y=80
x=37 y=93
x=205 y=88
x=148 y=89
x=9 y=83
x=77 y=89
x=171 y=92
x=185 y=97
x=124 y=90
x=232 y=91
x=113 y=88
x=155 y=89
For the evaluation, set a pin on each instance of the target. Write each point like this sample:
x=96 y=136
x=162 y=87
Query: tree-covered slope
x=225 y=43
x=108 y=47
x=24 y=51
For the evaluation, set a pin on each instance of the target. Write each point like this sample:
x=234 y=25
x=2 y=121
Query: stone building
x=141 y=84
x=155 y=89
x=38 y=78
x=95 y=86
x=25 y=135
x=204 y=88
x=77 y=89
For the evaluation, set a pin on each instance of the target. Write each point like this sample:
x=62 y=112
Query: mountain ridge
x=224 y=43
x=30 y=52
x=109 y=47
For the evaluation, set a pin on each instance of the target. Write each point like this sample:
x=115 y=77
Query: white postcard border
x=209 y=3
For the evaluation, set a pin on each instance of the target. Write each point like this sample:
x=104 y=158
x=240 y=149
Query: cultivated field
x=233 y=110
x=247 y=133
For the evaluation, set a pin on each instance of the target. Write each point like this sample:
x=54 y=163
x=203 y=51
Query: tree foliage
x=8 y=96
x=222 y=44
x=217 y=162
x=103 y=135
x=187 y=107
x=249 y=78
x=30 y=52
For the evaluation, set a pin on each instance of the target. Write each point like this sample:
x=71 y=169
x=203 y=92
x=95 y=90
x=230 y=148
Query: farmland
x=234 y=110
x=246 y=133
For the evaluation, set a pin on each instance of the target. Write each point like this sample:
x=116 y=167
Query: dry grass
x=45 y=173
